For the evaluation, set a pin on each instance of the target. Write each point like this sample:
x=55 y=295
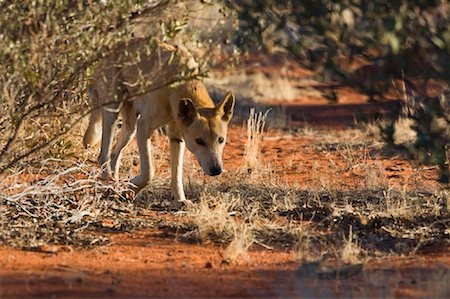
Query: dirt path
x=144 y=264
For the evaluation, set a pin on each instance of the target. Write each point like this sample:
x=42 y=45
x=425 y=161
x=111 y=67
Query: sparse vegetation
x=242 y=241
x=332 y=198
x=255 y=131
x=73 y=206
x=351 y=251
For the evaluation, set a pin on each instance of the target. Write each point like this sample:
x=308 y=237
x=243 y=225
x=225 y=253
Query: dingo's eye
x=200 y=141
x=221 y=140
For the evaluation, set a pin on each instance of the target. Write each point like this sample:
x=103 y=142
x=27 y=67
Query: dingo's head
x=205 y=131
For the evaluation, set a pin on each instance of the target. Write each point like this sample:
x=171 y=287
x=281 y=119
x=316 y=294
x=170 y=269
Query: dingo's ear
x=226 y=106
x=186 y=111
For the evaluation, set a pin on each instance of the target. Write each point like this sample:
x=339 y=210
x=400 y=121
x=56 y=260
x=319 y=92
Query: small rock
x=48 y=249
x=208 y=265
x=225 y=262
x=66 y=248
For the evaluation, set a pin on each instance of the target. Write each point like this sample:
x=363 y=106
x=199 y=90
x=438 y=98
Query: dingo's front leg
x=177 y=146
x=145 y=155
x=126 y=134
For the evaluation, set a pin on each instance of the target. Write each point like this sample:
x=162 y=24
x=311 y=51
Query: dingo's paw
x=128 y=195
x=106 y=177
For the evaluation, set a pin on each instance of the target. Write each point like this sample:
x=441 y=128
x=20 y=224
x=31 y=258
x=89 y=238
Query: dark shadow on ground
x=224 y=283
x=291 y=115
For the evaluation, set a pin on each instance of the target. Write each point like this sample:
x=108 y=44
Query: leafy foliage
x=433 y=134
x=399 y=36
x=369 y=45
x=49 y=50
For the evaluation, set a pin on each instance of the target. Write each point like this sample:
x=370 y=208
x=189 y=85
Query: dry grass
x=255 y=132
x=351 y=250
x=243 y=239
x=213 y=216
x=303 y=243
x=375 y=176
x=58 y=205
x=63 y=202
x=261 y=87
x=403 y=134
x=74 y=207
x=220 y=217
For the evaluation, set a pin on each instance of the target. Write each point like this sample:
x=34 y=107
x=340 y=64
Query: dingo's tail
x=94 y=130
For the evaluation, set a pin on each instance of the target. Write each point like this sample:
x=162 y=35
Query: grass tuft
x=255 y=132
x=351 y=250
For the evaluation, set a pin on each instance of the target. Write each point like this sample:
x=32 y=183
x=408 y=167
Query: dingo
x=192 y=117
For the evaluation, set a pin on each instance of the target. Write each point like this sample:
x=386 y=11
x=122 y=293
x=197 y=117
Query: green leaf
x=395 y=43
x=438 y=42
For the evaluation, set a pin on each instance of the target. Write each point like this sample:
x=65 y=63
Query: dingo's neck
x=196 y=91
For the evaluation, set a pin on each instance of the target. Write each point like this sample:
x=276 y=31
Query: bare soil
x=144 y=264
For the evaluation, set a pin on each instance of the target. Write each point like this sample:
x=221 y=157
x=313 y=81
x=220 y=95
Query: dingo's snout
x=215 y=170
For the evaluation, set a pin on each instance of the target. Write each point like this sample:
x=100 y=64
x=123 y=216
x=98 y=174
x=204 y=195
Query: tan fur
x=133 y=82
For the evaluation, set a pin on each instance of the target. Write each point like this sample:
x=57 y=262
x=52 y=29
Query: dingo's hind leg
x=110 y=116
x=126 y=134
x=93 y=132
